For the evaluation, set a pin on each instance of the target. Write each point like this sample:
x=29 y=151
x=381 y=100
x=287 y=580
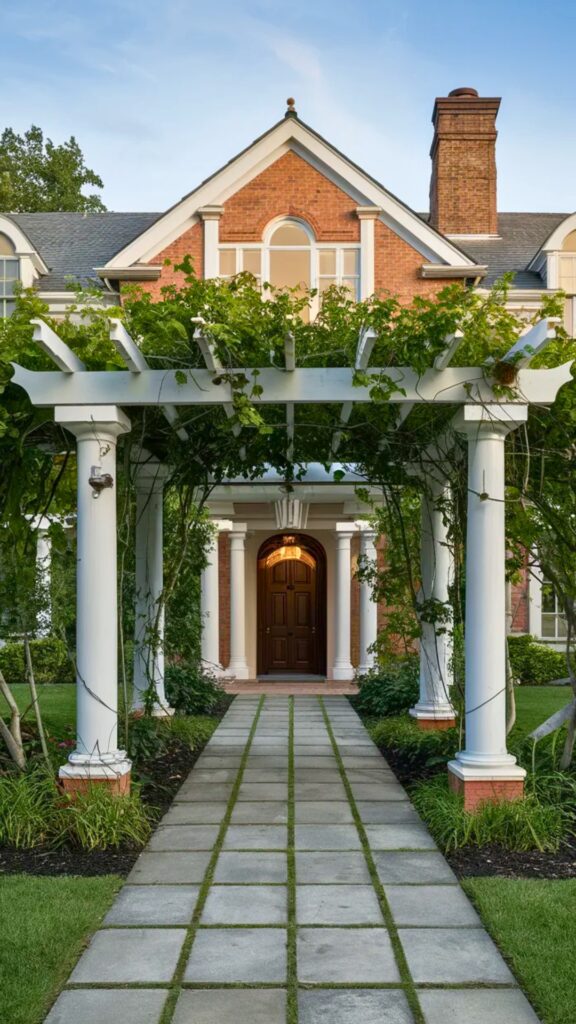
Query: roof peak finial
x=291 y=111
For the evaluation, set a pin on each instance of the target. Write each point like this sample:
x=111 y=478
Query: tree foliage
x=37 y=175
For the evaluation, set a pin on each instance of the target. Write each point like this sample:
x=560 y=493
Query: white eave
x=292 y=135
x=437 y=270
x=136 y=272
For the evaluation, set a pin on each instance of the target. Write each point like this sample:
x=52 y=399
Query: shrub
x=190 y=691
x=33 y=811
x=49 y=659
x=151 y=738
x=525 y=824
x=146 y=739
x=414 y=751
x=191 y=732
x=535 y=664
x=389 y=691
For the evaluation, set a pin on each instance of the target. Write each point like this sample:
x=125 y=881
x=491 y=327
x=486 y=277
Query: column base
x=435 y=724
x=364 y=670
x=238 y=671
x=433 y=716
x=485 y=784
x=77 y=779
x=342 y=672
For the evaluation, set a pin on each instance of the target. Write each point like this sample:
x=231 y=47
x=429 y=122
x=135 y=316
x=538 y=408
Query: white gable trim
x=291 y=134
x=22 y=245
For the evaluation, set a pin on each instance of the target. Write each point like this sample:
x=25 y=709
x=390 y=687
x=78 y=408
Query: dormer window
x=290 y=257
x=9 y=275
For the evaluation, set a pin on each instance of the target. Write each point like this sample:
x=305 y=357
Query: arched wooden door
x=292 y=606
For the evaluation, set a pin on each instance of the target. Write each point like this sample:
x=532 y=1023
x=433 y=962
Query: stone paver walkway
x=291 y=882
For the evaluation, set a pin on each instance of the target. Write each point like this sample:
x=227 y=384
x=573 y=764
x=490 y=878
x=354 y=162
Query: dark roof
x=72 y=244
x=521 y=236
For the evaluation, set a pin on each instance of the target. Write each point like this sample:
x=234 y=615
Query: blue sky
x=160 y=94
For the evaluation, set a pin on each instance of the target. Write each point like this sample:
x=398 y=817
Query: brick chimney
x=463 y=183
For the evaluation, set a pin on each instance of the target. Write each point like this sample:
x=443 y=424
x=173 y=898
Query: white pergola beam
x=442 y=362
x=363 y=352
x=214 y=365
x=59 y=352
x=530 y=344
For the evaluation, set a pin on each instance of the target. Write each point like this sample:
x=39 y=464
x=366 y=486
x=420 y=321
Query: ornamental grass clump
x=516 y=825
x=414 y=752
x=35 y=812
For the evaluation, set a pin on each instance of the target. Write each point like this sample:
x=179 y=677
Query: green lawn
x=45 y=924
x=534 y=923
x=57 y=701
x=534 y=704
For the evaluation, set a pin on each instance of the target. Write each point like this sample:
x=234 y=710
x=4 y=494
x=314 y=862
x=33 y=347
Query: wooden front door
x=291 y=620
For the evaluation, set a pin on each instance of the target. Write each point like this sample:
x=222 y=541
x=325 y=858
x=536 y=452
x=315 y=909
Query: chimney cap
x=464 y=91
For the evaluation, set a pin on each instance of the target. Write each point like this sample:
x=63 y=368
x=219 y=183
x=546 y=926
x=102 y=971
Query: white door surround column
x=368 y=606
x=209 y=603
x=342 y=668
x=96 y=755
x=485 y=770
x=149 y=480
x=434 y=709
x=238 y=666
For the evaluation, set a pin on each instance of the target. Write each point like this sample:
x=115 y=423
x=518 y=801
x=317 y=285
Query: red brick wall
x=190 y=243
x=290 y=187
x=397 y=267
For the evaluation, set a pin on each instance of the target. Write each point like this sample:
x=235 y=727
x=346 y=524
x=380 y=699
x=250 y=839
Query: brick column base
x=476 y=791
x=119 y=785
x=434 y=724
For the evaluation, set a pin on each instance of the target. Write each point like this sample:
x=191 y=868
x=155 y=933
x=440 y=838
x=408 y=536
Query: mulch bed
x=160 y=779
x=496 y=861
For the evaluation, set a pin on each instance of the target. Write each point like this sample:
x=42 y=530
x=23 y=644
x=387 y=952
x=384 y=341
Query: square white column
x=210 y=604
x=238 y=666
x=342 y=667
x=368 y=606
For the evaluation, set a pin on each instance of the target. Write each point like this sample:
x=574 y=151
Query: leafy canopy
x=36 y=175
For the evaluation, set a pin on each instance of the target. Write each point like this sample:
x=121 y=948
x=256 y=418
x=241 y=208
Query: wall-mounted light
x=99 y=481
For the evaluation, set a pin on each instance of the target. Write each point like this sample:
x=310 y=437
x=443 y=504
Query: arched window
x=9 y=275
x=290 y=257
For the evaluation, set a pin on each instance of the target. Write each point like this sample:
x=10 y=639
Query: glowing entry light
x=290 y=552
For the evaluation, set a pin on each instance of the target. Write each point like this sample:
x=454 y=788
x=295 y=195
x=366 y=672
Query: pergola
x=94 y=406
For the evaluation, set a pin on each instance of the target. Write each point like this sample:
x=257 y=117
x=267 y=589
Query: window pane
x=251 y=261
x=290 y=269
x=289 y=234
x=327 y=261
x=567 y=273
x=570 y=242
x=548 y=624
x=325 y=282
x=548 y=598
x=227 y=262
x=12 y=269
x=6 y=247
x=350 y=262
x=351 y=286
x=562 y=626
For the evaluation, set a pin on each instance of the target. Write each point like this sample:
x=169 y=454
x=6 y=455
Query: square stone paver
x=476 y=1006
x=166 y=868
x=263 y=791
x=399 y=837
x=440 y=906
x=214 y=775
x=269 y=775
x=378 y=791
x=327 y=837
x=315 y=812
x=246 y=904
x=183 y=837
x=355 y=1006
x=267 y=761
x=124 y=955
x=93 y=1006
x=346 y=955
x=314 y=775
x=387 y=812
x=337 y=905
x=371 y=775
x=256 y=837
x=251 y=867
x=319 y=791
x=414 y=868
x=153 y=905
x=237 y=955
x=194 y=814
x=231 y=1006
x=204 y=792
x=264 y=812
x=332 y=868
x=313 y=761
x=453 y=956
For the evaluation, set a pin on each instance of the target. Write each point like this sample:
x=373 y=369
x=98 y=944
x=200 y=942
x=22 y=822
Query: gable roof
x=291 y=134
x=521 y=237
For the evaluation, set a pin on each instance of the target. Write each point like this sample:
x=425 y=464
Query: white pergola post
x=368 y=606
x=149 y=479
x=96 y=756
x=209 y=603
x=434 y=709
x=484 y=769
x=342 y=668
x=238 y=666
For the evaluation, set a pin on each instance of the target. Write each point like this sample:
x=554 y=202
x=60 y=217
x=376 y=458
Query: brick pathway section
x=291 y=882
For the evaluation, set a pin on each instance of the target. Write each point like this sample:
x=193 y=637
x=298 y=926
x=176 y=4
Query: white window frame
x=5 y=299
x=536 y=581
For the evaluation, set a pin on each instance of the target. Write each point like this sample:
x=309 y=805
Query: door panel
x=291 y=613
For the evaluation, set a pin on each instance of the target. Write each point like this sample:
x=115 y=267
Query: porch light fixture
x=291 y=513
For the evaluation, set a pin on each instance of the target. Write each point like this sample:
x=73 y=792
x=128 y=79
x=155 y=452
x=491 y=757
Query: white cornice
x=291 y=135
